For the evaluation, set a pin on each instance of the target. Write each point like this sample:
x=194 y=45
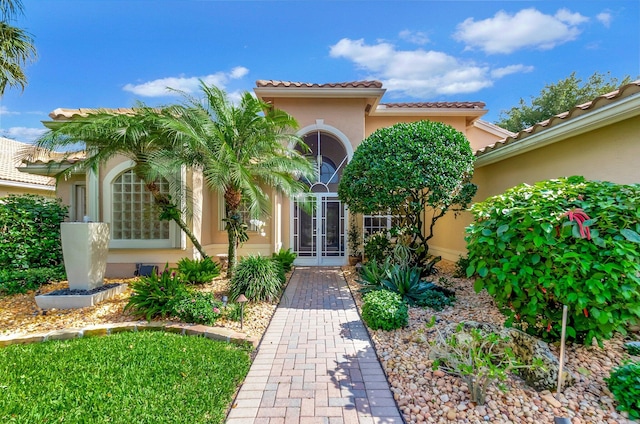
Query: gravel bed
x=424 y=395
x=78 y=292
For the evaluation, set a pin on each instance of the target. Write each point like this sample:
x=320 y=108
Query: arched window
x=131 y=212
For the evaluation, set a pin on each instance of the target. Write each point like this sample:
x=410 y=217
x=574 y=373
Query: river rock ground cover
x=424 y=395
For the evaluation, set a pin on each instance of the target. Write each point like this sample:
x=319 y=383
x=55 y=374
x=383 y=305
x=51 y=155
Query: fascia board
x=606 y=115
x=9 y=183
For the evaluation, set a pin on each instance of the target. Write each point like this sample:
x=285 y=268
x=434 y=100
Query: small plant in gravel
x=384 y=310
x=286 y=258
x=156 y=295
x=624 y=383
x=461 y=267
x=479 y=359
x=258 y=278
x=372 y=273
x=198 y=271
x=198 y=308
x=232 y=312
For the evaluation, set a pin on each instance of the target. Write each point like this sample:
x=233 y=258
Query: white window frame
x=175 y=239
x=389 y=223
x=222 y=213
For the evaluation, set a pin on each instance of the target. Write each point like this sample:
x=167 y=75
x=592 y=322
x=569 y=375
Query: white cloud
x=529 y=28
x=419 y=73
x=159 y=87
x=5 y=111
x=415 y=37
x=23 y=134
x=604 y=18
x=511 y=69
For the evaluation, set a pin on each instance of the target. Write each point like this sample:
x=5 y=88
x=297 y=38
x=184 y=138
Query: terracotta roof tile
x=436 y=105
x=10 y=151
x=292 y=84
x=63 y=113
x=600 y=101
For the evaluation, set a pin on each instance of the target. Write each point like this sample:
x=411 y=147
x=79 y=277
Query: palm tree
x=134 y=135
x=16 y=47
x=242 y=150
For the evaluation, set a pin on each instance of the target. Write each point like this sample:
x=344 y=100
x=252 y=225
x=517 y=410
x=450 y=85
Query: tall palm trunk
x=236 y=228
x=170 y=211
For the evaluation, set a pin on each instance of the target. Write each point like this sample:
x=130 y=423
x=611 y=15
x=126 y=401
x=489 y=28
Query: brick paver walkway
x=316 y=363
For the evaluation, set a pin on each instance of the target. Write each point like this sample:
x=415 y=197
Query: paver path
x=316 y=363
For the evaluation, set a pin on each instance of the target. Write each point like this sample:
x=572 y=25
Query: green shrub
x=286 y=258
x=258 y=278
x=461 y=267
x=232 y=311
x=156 y=295
x=633 y=348
x=385 y=310
x=624 y=383
x=198 y=308
x=532 y=251
x=436 y=299
x=30 y=231
x=14 y=281
x=372 y=273
x=377 y=247
x=198 y=271
x=408 y=284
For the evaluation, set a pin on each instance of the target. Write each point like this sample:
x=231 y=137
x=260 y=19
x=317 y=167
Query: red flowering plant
x=559 y=242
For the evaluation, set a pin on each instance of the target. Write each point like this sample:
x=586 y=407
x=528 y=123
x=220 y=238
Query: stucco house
x=598 y=140
x=12 y=181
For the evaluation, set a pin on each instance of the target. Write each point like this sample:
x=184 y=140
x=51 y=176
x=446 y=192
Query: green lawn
x=145 y=377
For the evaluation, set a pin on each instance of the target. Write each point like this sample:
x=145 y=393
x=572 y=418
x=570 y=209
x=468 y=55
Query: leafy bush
x=232 y=311
x=156 y=295
x=258 y=278
x=385 y=310
x=633 y=348
x=198 y=271
x=408 y=284
x=286 y=258
x=624 y=383
x=461 y=267
x=13 y=281
x=413 y=171
x=198 y=308
x=534 y=250
x=377 y=247
x=30 y=231
x=479 y=359
x=436 y=299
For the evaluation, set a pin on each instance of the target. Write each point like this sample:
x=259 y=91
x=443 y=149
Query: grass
x=144 y=377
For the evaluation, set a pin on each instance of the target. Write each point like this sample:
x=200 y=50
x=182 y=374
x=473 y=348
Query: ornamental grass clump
x=259 y=278
x=560 y=242
x=384 y=310
x=286 y=258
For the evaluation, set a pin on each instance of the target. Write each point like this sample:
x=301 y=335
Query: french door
x=319 y=236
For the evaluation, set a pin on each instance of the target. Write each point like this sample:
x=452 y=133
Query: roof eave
x=47 y=170
x=471 y=114
x=19 y=184
x=606 y=115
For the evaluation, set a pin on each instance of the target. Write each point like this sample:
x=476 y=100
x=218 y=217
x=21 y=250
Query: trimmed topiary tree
x=411 y=170
x=560 y=242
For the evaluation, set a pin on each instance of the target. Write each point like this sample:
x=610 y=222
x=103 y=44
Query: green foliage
x=372 y=273
x=198 y=271
x=286 y=258
x=529 y=255
x=259 y=278
x=14 y=281
x=410 y=170
x=633 y=348
x=30 y=231
x=198 y=308
x=624 y=383
x=407 y=283
x=479 y=359
x=557 y=98
x=461 y=267
x=384 y=310
x=232 y=311
x=156 y=295
x=377 y=247
x=156 y=377
x=354 y=238
x=436 y=298
x=17 y=48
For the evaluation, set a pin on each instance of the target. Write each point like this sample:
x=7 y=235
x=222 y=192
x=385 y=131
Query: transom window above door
x=330 y=157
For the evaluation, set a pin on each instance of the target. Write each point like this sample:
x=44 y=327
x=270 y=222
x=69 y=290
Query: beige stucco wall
x=374 y=123
x=7 y=190
x=609 y=153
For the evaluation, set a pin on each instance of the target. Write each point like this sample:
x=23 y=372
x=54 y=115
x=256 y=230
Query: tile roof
x=10 y=151
x=348 y=84
x=63 y=113
x=435 y=105
x=579 y=110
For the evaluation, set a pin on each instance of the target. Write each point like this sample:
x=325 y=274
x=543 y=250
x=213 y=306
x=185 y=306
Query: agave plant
x=371 y=275
x=407 y=283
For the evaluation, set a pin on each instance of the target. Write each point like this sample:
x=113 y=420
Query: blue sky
x=110 y=53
